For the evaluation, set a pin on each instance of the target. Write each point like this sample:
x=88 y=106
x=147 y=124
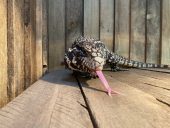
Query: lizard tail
x=120 y=60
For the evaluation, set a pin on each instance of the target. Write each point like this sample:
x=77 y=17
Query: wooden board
x=55 y=101
x=18 y=23
x=163 y=70
x=39 y=25
x=27 y=44
x=122 y=12
x=56 y=29
x=137 y=49
x=107 y=22
x=135 y=108
x=15 y=47
x=153 y=31
x=45 y=35
x=155 y=75
x=91 y=18
x=158 y=88
x=74 y=20
x=33 y=40
x=165 y=58
x=3 y=52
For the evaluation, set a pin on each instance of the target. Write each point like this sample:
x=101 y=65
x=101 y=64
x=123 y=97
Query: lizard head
x=99 y=63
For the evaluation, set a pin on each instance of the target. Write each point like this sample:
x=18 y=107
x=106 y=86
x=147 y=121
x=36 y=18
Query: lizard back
x=89 y=54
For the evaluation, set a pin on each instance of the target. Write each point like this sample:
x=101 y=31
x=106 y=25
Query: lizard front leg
x=114 y=67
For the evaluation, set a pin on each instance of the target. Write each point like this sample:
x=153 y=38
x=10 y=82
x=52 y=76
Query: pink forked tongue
x=105 y=83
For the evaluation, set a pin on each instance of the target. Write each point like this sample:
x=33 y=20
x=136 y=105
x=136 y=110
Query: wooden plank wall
x=153 y=31
x=44 y=35
x=106 y=26
x=20 y=46
x=15 y=47
x=137 y=42
x=136 y=29
x=56 y=32
x=92 y=18
x=74 y=20
x=39 y=48
x=165 y=47
x=122 y=27
x=3 y=52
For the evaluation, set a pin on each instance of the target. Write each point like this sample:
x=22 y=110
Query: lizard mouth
x=99 y=68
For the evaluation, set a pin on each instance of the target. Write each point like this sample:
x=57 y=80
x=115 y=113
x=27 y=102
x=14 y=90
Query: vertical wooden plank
x=10 y=48
x=138 y=11
x=39 y=60
x=91 y=18
x=107 y=22
x=153 y=31
x=27 y=44
x=15 y=47
x=33 y=39
x=56 y=29
x=165 y=57
x=74 y=20
x=3 y=52
x=122 y=27
x=18 y=44
x=44 y=36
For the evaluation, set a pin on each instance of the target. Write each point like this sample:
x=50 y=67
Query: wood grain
x=39 y=54
x=107 y=22
x=156 y=75
x=55 y=101
x=33 y=40
x=138 y=11
x=135 y=108
x=27 y=44
x=163 y=70
x=158 y=88
x=153 y=31
x=165 y=58
x=91 y=18
x=122 y=27
x=3 y=52
x=15 y=47
x=45 y=35
x=74 y=20
x=56 y=29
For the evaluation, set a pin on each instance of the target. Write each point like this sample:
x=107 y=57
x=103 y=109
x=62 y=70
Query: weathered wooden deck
x=58 y=100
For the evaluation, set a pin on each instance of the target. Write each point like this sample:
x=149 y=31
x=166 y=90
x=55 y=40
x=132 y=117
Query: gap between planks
x=98 y=103
x=95 y=125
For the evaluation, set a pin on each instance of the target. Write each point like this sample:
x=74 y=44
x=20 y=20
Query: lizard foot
x=115 y=69
x=110 y=92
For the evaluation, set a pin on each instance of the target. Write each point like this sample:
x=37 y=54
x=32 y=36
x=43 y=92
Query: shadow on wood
x=53 y=101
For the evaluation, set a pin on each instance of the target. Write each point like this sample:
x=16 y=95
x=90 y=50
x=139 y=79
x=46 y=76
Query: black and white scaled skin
x=86 y=55
x=89 y=55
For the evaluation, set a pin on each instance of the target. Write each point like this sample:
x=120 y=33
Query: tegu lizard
x=90 y=55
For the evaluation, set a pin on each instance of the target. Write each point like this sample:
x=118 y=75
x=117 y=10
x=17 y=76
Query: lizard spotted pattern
x=90 y=55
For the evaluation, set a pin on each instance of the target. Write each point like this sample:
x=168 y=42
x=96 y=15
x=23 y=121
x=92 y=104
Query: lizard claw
x=110 y=92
